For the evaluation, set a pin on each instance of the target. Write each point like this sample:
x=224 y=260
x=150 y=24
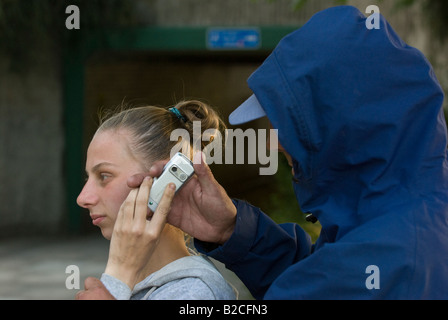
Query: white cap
x=249 y=110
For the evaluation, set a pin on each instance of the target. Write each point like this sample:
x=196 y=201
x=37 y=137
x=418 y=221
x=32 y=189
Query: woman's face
x=108 y=166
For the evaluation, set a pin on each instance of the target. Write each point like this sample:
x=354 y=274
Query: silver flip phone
x=178 y=170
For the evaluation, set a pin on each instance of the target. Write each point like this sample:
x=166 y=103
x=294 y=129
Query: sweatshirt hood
x=360 y=112
x=188 y=267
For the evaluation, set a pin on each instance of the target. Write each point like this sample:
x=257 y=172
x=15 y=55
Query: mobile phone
x=178 y=171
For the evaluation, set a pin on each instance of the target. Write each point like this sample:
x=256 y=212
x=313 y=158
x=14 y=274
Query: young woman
x=125 y=144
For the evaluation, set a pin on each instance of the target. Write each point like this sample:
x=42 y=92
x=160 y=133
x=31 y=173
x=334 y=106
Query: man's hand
x=94 y=289
x=202 y=207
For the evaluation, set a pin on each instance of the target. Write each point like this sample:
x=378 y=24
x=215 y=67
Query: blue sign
x=233 y=39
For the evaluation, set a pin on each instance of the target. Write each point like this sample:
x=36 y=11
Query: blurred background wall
x=43 y=141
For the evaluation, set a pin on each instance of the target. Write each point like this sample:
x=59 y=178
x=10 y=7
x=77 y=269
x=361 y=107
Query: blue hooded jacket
x=360 y=112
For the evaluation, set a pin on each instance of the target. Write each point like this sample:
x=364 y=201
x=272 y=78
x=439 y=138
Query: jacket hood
x=360 y=112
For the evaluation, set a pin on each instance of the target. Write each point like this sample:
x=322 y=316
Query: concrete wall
x=31 y=148
x=233 y=12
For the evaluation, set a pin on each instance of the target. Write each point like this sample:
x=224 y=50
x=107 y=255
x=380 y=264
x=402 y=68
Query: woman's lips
x=96 y=220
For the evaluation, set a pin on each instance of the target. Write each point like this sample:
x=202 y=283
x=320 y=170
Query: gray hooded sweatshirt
x=188 y=278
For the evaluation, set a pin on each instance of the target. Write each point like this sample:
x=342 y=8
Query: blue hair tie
x=177 y=113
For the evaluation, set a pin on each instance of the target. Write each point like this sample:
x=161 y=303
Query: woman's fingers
x=126 y=213
x=159 y=218
x=135 y=238
x=134 y=210
x=141 y=202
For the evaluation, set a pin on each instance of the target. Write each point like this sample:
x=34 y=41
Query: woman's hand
x=202 y=207
x=135 y=238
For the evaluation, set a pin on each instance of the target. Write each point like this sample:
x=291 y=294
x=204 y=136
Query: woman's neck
x=171 y=247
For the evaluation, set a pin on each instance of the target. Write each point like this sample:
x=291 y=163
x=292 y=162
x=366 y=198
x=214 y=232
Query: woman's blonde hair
x=150 y=127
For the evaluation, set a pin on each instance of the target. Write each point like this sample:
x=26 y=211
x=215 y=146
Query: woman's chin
x=107 y=234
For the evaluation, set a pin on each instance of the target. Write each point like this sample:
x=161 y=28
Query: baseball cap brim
x=249 y=110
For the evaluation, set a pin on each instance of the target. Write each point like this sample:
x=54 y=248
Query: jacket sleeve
x=259 y=250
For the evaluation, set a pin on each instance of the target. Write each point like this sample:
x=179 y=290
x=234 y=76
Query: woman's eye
x=104 y=177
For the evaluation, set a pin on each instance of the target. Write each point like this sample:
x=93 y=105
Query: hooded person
x=360 y=113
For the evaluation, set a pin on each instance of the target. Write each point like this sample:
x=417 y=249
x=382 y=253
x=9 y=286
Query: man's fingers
x=203 y=172
x=156 y=170
x=136 y=180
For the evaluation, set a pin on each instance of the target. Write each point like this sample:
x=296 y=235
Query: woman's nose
x=87 y=198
